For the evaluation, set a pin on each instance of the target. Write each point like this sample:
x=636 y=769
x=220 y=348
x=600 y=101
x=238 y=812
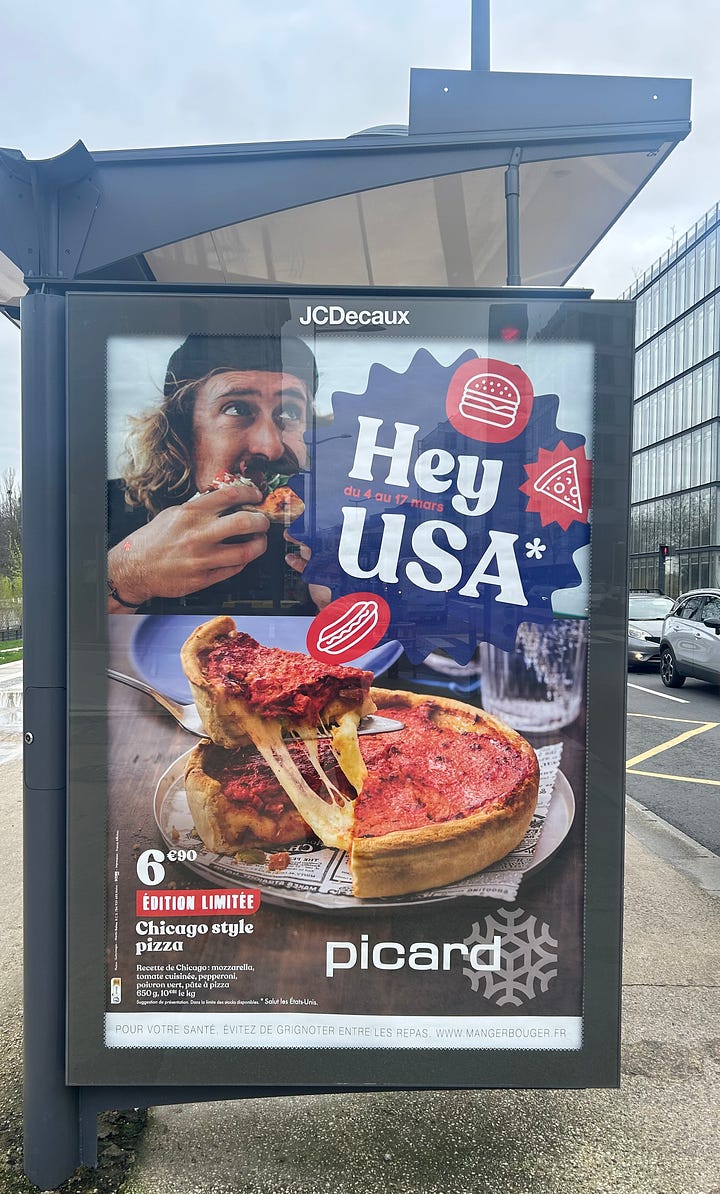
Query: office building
x=676 y=424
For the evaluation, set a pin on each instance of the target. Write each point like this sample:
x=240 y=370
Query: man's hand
x=319 y=594
x=185 y=549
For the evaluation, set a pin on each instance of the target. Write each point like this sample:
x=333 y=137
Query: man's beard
x=260 y=469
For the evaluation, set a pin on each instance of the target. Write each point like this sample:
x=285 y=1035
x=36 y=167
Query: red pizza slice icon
x=559 y=485
x=560 y=482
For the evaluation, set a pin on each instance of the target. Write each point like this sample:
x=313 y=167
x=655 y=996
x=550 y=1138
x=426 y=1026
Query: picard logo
x=338 y=316
x=421 y=955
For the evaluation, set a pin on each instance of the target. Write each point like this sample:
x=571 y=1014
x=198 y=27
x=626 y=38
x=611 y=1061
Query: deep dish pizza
x=244 y=691
x=448 y=795
x=443 y=798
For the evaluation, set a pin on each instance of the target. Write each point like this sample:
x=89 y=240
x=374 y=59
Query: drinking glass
x=538 y=687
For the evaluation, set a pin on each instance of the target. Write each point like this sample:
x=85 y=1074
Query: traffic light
x=508 y=322
x=665 y=551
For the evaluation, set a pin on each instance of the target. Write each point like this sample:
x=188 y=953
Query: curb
x=683 y=853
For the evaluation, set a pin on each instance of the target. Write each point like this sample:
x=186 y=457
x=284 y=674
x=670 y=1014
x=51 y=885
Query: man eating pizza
x=228 y=434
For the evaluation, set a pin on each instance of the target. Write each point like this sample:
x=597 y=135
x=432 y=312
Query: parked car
x=690 y=643
x=647 y=612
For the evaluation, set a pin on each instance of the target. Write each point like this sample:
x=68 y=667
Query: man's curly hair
x=158 y=452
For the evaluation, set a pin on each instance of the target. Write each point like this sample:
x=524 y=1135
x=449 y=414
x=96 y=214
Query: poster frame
x=596 y=1064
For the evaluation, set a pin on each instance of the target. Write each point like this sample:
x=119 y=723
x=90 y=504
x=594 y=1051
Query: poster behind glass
x=319 y=510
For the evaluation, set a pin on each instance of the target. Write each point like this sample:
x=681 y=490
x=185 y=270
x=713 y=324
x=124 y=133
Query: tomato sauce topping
x=425 y=775
x=279 y=683
x=245 y=777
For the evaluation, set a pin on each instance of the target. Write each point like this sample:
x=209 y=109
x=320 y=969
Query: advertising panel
x=332 y=816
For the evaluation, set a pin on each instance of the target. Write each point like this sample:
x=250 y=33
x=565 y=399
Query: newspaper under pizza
x=443 y=798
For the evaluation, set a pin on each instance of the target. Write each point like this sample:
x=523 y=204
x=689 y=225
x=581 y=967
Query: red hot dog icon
x=348 y=627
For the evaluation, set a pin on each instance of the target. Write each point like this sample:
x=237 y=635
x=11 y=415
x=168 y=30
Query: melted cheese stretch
x=347 y=748
x=331 y=822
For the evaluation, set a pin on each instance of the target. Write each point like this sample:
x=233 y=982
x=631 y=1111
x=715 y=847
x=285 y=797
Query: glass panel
x=709 y=330
x=663 y=372
x=690 y=357
x=680 y=346
x=659 y=469
x=653 y=377
x=710 y=259
x=704 y=515
x=652 y=420
x=686 y=461
x=654 y=324
x=700 y=270
x=671 y=408
x=697 y=397
x=662 y=300
x=694 y=517
x=671 y=301
x=690 y=280
x=698 y=342
x=675 y=482
x=680 y=282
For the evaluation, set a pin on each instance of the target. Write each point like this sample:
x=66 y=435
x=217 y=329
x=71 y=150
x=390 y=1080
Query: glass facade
x=676 y=423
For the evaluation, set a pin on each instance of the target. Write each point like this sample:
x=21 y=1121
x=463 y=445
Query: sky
x=132 y=74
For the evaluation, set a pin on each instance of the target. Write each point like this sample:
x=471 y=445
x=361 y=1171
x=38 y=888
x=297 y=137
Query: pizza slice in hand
x=246 y=691
x=280 y=504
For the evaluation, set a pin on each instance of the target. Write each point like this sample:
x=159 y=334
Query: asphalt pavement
x=673 y=753
x=657 y=1135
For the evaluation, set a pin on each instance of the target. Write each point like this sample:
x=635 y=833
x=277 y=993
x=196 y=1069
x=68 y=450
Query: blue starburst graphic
x=399 y=503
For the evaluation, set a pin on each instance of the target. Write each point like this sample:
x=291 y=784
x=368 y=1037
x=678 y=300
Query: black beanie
x=200 y=355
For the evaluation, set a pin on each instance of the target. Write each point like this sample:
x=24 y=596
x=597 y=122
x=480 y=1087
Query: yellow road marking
x=683 y=720
x=657 y=750
x=685 y=779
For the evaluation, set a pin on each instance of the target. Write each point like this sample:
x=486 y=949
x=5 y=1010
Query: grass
x=11 y=651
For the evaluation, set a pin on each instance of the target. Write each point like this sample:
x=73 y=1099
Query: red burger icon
x=489 y=400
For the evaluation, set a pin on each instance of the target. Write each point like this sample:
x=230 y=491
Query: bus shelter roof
x=421 y=206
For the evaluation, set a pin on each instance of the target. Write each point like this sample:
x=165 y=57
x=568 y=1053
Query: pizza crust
x=410 y=860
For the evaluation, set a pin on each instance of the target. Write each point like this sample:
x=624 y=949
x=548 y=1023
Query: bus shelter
x=499 y=183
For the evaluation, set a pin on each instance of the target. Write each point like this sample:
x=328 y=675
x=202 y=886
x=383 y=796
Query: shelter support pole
x=51 y=1114
x=512 y=218
x=480 y=35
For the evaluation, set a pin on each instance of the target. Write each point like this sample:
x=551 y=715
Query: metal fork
x=187 y=715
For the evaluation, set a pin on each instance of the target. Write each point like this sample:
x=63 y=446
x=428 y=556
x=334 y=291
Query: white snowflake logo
x=529 y=957
x=534 y=550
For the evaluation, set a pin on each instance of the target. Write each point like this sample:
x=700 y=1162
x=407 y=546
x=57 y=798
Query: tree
x=10 y=526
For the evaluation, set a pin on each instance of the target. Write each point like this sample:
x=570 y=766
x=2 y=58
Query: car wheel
x=671 y=677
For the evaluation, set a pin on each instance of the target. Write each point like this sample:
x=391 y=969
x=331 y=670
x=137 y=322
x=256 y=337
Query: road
x=673 y=753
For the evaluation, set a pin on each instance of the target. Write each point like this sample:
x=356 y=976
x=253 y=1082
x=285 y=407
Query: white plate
x=331 y=893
